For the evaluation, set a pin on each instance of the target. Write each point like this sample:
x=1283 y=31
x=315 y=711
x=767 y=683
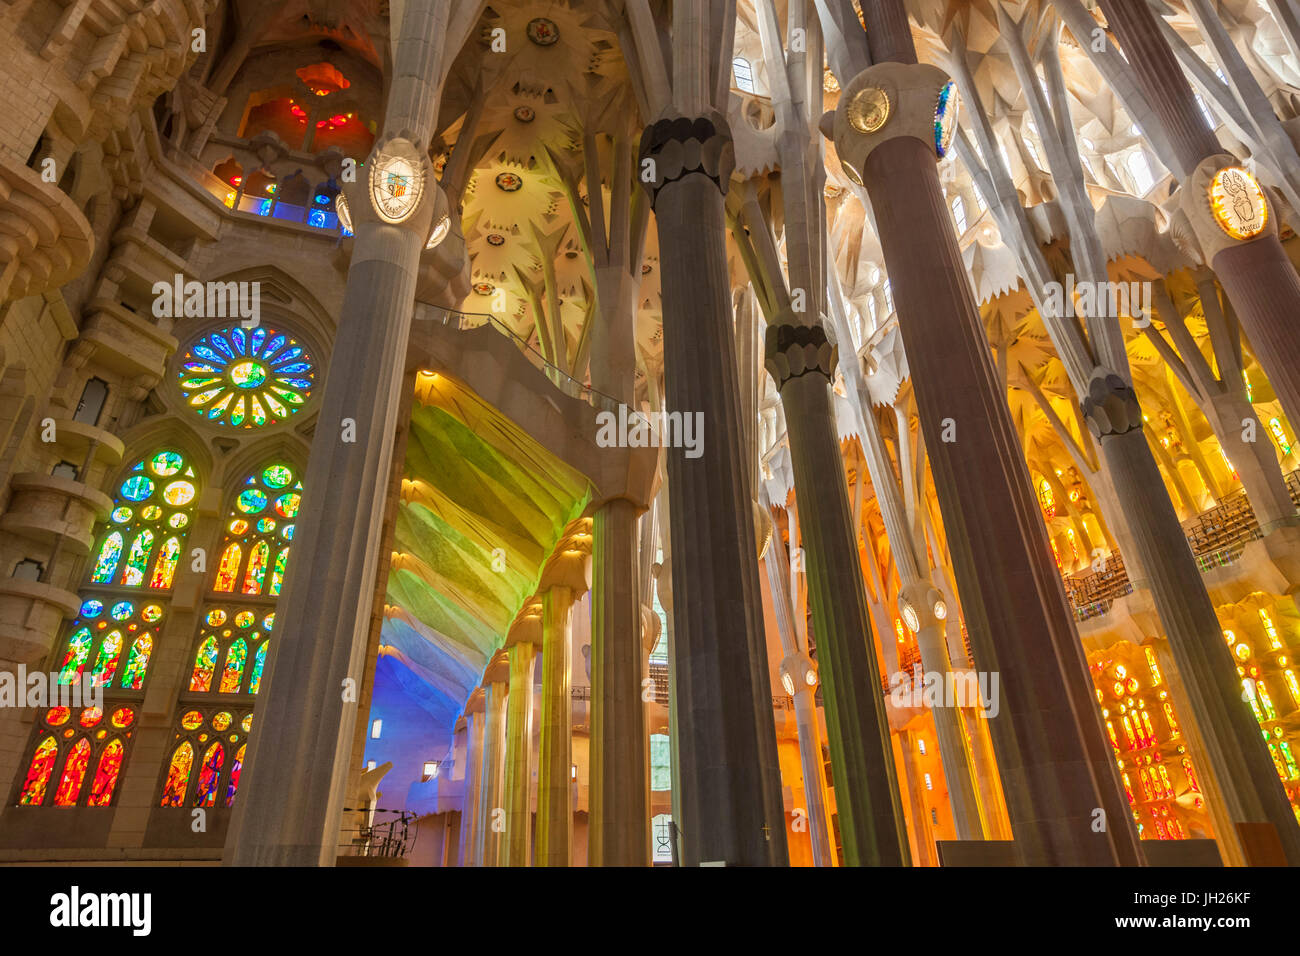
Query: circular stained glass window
x=244 y=619
x=178 y=493
x=268 y=622
x=137 y=488
x=216 y=618
x=265 y=524
x=178 y=520
x=287 y=505
x=122 y=717
x=277 y=476
x=220 y=721
x=191 y=720
x=57 y=716
x=287 y=532
x=151 y=513
x=121 y=515
x=166 y=463
x=247 y=378
x=91 y=716
x=247 y=723
x=251 y=501
x=121 y=610
x=92 y=608
x=151 y=613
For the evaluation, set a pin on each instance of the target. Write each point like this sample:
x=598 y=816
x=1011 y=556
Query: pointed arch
x=110 y=764
x=74 y=772
x=38 y=773
x=177 y=782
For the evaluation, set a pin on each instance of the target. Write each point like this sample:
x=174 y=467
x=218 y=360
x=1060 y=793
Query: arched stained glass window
x=70 y=744
x=38 y=773
x=110 y=643
x=209 y=775
x=208 y=753
x=178 y=775
x=234 y=639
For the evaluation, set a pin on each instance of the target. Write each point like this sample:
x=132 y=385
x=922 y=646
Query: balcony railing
x=1217 y=538
x=389 y=838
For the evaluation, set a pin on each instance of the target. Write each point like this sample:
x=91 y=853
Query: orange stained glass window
x=178 y=776
x=110 y=763
x=38 y=773
x=74 y=771
x=205 y=662
x=228 y=570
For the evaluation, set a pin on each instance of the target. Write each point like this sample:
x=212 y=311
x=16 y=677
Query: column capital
x=1111 y=406
x=888 y=100
x=682 y=145
x=792 y=349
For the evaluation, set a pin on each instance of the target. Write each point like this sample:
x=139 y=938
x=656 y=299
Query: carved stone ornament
x=682 y=145
x=792 y=350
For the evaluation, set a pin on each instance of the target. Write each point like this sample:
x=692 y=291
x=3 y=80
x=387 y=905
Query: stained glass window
x=247 y=378
x=215 y=733
x=38 y=773
x=110 y=643
x=178 y=775
x=233 y=642
x=67 y=749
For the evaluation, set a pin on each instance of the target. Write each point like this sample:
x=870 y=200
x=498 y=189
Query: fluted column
x=308 y=705
x=469 y=818
x=491 y=795
x=1256 y=274
x=732 y=809
x=866 y=788
x=618 y=832
x=519 y=754
x=1056 y=763
x=554 y=801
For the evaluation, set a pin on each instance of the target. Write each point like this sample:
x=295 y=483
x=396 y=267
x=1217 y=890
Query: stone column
x=1055 y=761
x=732 y=809
x=473 y=780
x=618 y=833
x=309 y=695
x=1255 y=272
x=489 y=841
x=867 y=798
x=554 y=801
x=519 y=754
x=923 y=830
x=1238 y=756
x=796 y=670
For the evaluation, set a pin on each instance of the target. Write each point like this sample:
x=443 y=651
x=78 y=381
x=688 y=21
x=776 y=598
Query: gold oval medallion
x=869 y=109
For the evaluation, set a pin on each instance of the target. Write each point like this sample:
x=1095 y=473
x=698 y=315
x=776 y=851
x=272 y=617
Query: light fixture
x=1237 y=202
x=910 y=618
x=440 y=230
x=940 y=609
x=810 y=677
x=344 y=214
x=573 y=772
x=397 y=181
x=788 y=682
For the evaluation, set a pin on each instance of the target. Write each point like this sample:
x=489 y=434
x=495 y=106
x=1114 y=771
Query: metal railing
x=464 y=321
x=389 y=838
x=1218 y=537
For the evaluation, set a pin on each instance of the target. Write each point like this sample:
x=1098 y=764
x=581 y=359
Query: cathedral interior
x=410 y=412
